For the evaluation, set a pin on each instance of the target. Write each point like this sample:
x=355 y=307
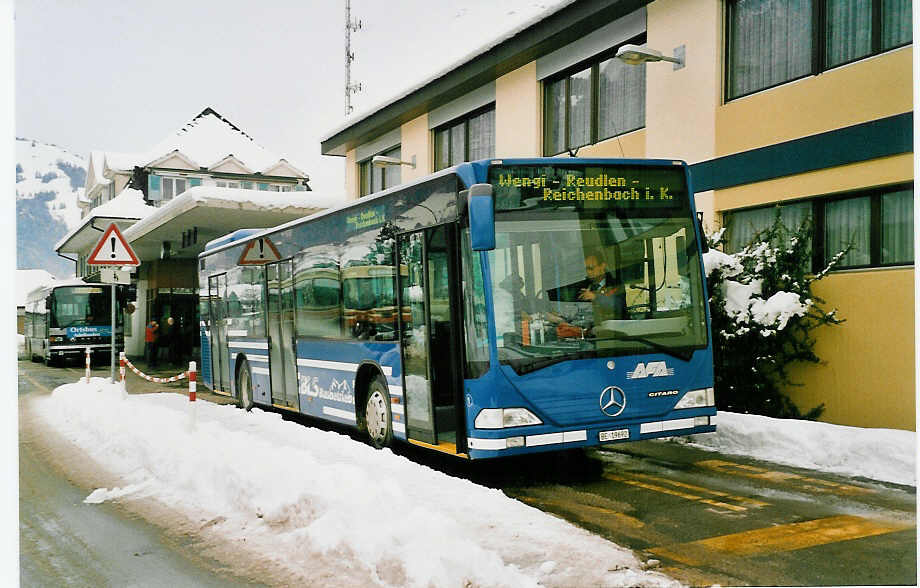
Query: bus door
x=428 y=338
x=281 y=350
x=220 y=355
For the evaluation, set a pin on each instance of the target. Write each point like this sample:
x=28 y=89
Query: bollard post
x=121 y=370
x=192 y=393
x=87 y=364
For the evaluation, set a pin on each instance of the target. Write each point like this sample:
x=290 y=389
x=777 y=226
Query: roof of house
x=204 y=142
x=561 y=24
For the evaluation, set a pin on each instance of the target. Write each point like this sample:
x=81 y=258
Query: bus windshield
x=574 y=277
x=81 y=306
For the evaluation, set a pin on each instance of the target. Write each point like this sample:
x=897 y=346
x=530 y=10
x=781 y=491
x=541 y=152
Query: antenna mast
x=350 y=26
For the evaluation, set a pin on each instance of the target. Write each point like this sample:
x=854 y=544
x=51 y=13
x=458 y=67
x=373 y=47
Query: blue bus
x=495 y=308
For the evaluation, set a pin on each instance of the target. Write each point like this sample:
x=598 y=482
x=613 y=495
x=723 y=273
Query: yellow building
x=805 y=104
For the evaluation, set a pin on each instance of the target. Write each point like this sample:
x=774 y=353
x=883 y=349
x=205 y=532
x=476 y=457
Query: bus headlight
x=55 y=339
x=501 y=418
x=697 y=398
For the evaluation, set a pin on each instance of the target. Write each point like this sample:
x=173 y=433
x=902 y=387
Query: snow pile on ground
x=889 y=455
x=298 y=496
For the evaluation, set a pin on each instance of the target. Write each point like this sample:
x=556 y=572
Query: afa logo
x=655 y=369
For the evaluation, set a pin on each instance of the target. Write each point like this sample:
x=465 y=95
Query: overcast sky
x=120 y=75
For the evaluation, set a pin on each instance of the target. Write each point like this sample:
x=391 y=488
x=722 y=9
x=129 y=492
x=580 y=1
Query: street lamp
x=384 y=161
x=636 y=55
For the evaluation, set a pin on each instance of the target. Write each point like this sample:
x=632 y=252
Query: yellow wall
x=866 y=90
x=518 y=113
x=415 y=143
x=867 y=379
x=681 y=104
x=351 y=176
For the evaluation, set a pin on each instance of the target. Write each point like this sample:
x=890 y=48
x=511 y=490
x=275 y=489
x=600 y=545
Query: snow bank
x=889 y=455
x=295 y=494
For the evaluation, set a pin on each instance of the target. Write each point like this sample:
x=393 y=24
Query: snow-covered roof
x=208 y=139
x=95 y=168
x=555 y=6
x=28 y=280
x=213 y=197
x=128 y=205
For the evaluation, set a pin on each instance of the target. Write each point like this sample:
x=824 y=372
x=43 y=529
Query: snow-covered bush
x=763 y=318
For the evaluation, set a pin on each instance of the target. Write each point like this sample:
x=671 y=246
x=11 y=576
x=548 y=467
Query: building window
x=466 y=139
x=161 y=189
x=227 y=184
x=771 y=42
x=374 y=179
x=877 y=225
x=596 y=100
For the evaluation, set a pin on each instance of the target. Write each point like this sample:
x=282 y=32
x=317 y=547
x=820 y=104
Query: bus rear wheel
x=244 y=386
x=377 y=414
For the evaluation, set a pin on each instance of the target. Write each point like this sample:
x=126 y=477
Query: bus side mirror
x=48 y=303
x=481 y=208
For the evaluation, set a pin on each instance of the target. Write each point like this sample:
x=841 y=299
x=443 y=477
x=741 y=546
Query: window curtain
x=392 y=174
x=770 y=43
x=744 y=224
x=554 y=123
x=441 y=149
x=482 y=136
x=457 y=143
x=849 y=30
x=580 y=108
x=621 y=98
x=896 y=15
x=898 y=227
x=847 y=222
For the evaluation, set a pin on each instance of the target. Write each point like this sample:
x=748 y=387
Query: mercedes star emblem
x=613 y=401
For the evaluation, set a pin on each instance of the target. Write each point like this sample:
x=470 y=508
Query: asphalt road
x=64 y=542
x=701 y=517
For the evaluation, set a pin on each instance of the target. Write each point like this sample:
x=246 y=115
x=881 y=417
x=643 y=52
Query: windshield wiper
x=527 y=365
x=683 y=354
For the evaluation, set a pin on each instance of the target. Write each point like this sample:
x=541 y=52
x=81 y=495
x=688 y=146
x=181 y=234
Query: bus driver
x=607 y=295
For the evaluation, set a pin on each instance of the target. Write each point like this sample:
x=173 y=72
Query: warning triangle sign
x=112 y=249
x=259 y=251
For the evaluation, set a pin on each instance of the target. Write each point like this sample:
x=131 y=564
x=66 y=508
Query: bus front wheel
x=377 y=414
x=244 y=386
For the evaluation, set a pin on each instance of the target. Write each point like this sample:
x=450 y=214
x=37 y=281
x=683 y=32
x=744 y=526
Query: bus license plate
x=614 y=435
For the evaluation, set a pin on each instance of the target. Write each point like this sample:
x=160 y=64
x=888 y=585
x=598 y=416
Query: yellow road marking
x=596 y=512
x=742 y=499
x=778 y=538
x=804 y=482
x=678 y=493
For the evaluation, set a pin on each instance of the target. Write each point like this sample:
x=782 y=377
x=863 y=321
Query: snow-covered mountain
x=49 y=179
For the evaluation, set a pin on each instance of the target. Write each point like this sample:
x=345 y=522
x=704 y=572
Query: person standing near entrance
x=151 y=334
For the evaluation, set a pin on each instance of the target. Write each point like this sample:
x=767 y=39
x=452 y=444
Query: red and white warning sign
x=112 y=249
x=259 y=251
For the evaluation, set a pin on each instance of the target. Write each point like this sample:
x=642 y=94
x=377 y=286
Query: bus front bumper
x=480 y=447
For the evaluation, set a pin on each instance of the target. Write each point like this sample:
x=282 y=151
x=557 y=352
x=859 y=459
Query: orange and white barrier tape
x=176 y=378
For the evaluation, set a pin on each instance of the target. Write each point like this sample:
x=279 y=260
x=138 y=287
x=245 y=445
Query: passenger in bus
x=606 y=294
